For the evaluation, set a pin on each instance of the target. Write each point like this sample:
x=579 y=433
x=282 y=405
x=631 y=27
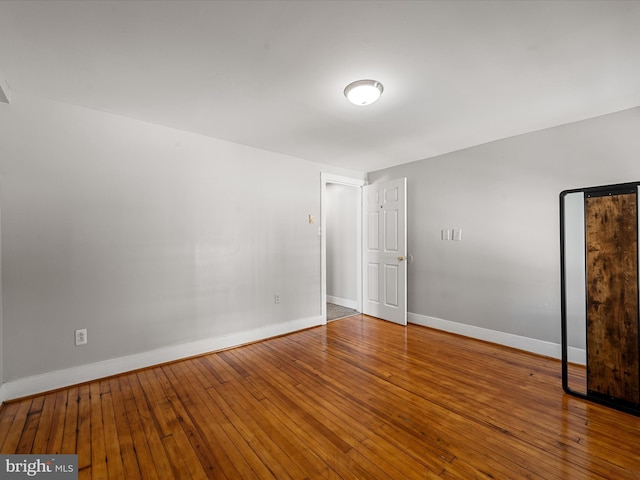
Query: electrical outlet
x=276 y=298
x=81 y=336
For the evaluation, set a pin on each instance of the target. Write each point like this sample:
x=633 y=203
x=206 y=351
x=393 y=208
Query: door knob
x=400 y=258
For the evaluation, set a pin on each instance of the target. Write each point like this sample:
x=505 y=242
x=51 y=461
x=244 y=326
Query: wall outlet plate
x=81 y=336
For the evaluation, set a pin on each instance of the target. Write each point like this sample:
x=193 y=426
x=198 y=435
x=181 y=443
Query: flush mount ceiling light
x=363 y=92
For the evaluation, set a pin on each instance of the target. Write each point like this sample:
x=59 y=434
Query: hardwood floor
x=357 y=399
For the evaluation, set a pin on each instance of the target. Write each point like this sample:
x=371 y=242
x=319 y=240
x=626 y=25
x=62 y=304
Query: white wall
x=147 y=236
x=342 y=251
x=1 y=311
x=504 y=275
x=575 y=270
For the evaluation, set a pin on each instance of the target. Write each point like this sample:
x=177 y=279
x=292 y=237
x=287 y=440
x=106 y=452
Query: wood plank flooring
x=357 y=399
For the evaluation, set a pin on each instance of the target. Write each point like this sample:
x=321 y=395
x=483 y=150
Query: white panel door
x=384 y=264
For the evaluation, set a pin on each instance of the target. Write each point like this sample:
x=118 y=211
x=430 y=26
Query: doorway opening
x=341 y=246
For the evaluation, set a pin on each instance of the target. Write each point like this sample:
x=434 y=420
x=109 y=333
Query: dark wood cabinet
x=612 y=338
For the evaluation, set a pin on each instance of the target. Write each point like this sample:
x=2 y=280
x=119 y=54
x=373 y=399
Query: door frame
x=326 y=178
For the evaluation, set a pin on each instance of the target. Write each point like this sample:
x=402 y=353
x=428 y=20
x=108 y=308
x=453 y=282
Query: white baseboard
x=85 y=373
x=343 y=302
x=540 y=347
x=71 y=376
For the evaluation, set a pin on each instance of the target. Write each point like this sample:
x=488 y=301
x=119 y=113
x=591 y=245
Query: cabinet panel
x=611 y=237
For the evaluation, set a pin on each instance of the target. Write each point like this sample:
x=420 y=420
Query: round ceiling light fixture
x=363 y=92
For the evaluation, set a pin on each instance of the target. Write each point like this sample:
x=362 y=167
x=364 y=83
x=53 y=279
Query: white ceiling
x=271 y=73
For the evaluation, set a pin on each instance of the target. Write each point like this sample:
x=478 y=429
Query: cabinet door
x=611 y=236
